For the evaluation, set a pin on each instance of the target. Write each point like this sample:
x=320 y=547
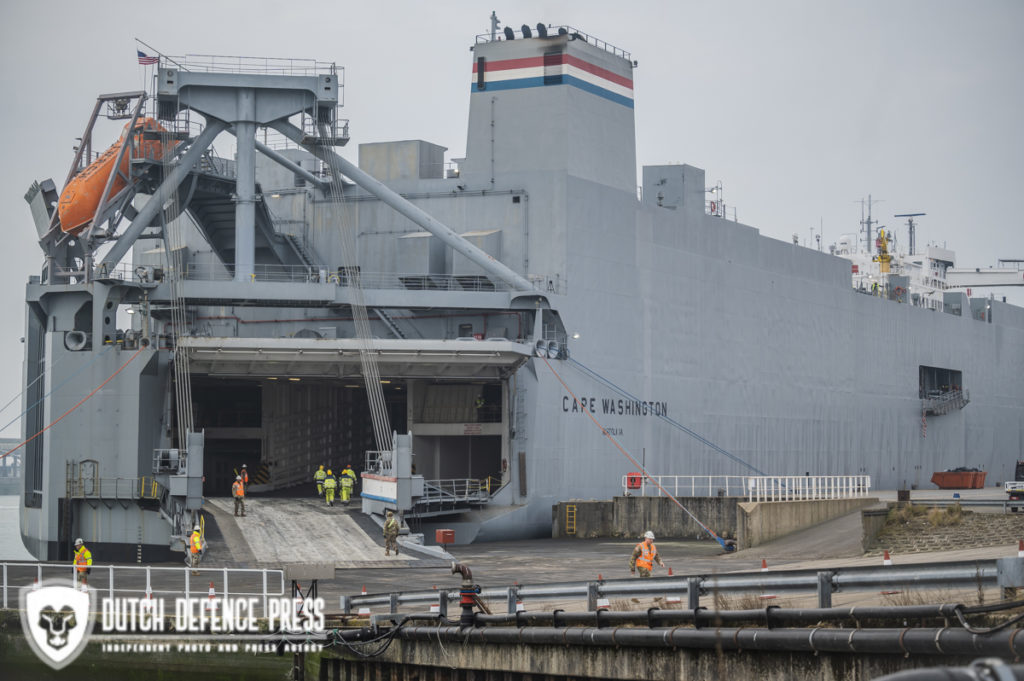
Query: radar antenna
x=910 y=227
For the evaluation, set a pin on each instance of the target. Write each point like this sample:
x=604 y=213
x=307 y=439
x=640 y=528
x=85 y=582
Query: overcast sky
x=800 y=109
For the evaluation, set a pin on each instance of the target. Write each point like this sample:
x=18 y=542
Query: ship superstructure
x=290 y=308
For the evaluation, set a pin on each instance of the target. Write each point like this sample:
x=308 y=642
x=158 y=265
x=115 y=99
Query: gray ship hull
x=662 y=325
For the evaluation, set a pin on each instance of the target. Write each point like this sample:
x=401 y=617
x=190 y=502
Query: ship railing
x=144 y=581
x=223 y=63
x=569 y=30
x=754 y=488
x=379 y=462
x=938 y=403
x=342 y=277
x=455 y=490
x=114 y=488
x=313 y=275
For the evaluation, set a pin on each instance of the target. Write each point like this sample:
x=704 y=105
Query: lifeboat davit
x=78 y=201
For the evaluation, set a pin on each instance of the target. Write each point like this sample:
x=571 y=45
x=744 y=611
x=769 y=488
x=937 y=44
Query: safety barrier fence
x=143 y=581
x=753 y=487
x=1001 y=572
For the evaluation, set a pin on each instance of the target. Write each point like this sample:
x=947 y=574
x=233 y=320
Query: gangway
x=450 y=496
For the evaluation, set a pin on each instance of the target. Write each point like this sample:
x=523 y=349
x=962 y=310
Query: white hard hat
x=244 y=466
x=79 y=542
x=648 y=535
x=238 y=477
x=196 y=528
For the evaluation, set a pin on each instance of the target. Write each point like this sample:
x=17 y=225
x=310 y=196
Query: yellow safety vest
x=83 y=558
x=197 y=543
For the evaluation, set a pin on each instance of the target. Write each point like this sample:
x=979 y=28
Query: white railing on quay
x=138 y=581
x=638 y=484
x=754 y=488
x=808 y=487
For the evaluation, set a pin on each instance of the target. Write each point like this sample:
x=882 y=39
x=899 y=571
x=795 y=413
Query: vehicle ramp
x=276 y=531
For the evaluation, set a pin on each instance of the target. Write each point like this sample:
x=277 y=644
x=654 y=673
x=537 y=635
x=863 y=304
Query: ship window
x=553 y=68
x=481 y=69
x=515 y=199
x=936 y=382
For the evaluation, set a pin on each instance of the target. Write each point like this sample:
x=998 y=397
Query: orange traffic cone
x=764 y=565
x=886 y=560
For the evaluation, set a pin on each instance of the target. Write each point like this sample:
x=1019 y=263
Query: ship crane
x=884 y=257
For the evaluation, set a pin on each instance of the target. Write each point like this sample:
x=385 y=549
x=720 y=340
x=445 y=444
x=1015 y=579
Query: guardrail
x=753 y=487
x=454 y=490
x=141 y=581
x=113 y=488
x=1001 y=572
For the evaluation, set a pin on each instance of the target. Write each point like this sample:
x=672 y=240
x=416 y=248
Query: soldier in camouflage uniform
x=390 y=534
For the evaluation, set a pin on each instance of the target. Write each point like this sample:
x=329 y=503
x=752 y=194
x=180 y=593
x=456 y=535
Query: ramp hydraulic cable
x=57 y=387
x=371 y=373
x=76 y=406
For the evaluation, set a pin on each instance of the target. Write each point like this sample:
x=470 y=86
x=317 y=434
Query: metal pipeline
x=907 y=641
x=768 y=617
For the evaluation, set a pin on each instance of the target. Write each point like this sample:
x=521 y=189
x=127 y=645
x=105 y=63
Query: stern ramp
x=278 y=531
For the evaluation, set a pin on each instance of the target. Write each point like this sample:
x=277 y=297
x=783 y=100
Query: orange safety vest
x=83 y=559
x=245 y=476
x=197 y=543
x=238 y=489
x=646 y=557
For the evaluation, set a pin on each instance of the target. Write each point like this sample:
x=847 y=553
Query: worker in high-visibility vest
x=391 y=534
x=245 y=476
x=644 y=556
x=319 y=478
x=348 y=482
x=195 y=545
x=238 y=492
x=83 y=562
x=330 y=484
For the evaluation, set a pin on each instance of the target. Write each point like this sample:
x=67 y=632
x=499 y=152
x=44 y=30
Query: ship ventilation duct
x=77 y=340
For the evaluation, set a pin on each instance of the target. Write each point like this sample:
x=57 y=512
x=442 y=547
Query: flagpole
x=159 y=53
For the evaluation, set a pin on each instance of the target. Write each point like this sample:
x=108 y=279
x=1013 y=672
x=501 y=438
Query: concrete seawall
x=761 y=522
x=751 y=524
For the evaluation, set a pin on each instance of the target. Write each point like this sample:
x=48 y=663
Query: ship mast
x=910 y=228
x=866 y=223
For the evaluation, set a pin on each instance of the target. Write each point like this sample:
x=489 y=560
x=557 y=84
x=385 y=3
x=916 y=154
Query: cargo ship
x=471 y=334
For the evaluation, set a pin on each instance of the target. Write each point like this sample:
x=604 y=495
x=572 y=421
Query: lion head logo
x=57 y=620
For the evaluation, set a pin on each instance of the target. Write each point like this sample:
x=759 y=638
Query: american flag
x=146 y=59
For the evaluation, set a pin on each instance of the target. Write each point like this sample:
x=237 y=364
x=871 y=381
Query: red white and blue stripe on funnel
x=562 y=69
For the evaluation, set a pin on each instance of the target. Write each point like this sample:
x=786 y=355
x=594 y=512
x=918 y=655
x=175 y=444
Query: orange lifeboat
x=80 y=198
